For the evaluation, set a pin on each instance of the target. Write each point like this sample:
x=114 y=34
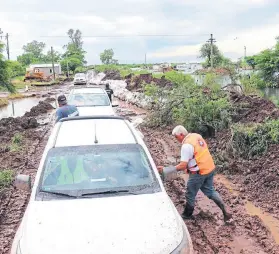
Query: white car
x=97 y=190
x=80 y=79
x=91 y=101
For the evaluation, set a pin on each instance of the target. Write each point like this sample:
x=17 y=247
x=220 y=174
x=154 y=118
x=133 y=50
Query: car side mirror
x=23 y=182
x=115 y=105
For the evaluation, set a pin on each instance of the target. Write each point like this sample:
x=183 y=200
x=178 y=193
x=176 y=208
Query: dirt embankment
x=136 y=82
x=246 y=234
x=257 y=177
x=22 y=141
x=246 y=185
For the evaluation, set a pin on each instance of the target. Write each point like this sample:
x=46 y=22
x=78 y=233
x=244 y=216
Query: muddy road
x=252 y=230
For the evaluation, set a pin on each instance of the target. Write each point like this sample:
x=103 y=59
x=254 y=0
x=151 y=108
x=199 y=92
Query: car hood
x=98 y=110
x=126 y=224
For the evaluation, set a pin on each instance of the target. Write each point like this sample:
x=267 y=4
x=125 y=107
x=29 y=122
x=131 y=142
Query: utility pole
x=211 y=40
x=8 y=46
x=244 y=52
x=52 y=62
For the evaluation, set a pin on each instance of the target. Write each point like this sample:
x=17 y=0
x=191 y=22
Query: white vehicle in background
x=97 y=190
x=91 y=101
x=80 y=79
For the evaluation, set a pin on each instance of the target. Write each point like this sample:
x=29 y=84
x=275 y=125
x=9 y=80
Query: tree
x=4 y=73
x=73 y=63
x=74 y=47
x=27 y=59
x=106 y=57
x=250 y=60
x=205 y=52
x=75 y=37
x=35 y=48
x=48 y=57
x=15 y=69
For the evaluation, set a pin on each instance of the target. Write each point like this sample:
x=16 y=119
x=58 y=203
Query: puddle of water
x=19 y=107
x=269 y=221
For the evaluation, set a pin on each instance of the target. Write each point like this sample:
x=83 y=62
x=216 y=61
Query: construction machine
x=35 y=75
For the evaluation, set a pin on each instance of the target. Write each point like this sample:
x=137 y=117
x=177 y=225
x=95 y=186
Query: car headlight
x=185 y=247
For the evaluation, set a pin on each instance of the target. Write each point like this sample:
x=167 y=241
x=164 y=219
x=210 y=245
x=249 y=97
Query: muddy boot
x=227 y=215
x=188 y=212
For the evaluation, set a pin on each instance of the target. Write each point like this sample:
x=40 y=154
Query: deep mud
x=135 y=83
x=22 y=158
x=253 y=109
x=42 y=108
x=246 y=234
x=112 y=75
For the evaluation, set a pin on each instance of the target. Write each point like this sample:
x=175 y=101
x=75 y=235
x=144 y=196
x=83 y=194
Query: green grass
x=6 y=178
x=16 y=142
x=3 y=102
x=18 y=82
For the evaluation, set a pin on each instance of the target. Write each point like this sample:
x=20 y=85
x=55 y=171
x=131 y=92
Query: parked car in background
x=80 y=79
x=91 y=101
x=97 y=190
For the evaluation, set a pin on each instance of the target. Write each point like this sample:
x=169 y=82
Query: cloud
x=249 y=20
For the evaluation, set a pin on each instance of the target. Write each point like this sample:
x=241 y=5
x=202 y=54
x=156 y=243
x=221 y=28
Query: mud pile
x=42 y=108
x=253 y=108
x=134 y=83
x=112 y=74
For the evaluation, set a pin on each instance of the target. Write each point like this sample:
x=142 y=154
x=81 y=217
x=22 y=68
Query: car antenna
x=96 y=140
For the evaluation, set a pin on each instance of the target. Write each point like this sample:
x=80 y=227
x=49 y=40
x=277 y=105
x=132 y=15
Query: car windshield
x=94 y=169
x=89 y=99
x=80 y=75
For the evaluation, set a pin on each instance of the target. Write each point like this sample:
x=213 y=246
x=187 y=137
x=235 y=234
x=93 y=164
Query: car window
x=89 y=99
x=95 y=168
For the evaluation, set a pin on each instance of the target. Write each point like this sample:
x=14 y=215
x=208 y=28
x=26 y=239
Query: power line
x=122 y=36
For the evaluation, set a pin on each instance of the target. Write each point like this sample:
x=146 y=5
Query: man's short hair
x=62 y=100
x=178 y=130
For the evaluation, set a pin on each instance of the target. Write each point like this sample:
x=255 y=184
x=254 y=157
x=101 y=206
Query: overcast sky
x=234 y=24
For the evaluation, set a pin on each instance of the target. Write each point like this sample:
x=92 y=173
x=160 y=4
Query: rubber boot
x=221 y=205
x=188 y=212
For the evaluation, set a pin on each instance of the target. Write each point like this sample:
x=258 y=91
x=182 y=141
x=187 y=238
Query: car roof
x=81 y=131
x=91 y=90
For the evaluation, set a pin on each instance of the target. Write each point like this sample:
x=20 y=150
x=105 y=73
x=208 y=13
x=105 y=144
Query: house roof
x=44 y=65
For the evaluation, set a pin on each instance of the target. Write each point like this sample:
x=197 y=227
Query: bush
x=249 y=140
x=198 y=108
x=252 y=84
x=6 y=178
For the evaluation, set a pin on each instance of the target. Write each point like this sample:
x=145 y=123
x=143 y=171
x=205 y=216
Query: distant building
x=46 y=69
x=189 y=68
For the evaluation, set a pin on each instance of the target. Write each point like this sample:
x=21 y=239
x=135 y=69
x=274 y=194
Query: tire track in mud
x=246 y=234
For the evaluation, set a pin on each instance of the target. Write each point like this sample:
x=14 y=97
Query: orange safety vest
x=202 y=156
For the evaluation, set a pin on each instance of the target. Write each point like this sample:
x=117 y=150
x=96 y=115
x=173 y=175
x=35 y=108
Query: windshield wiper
x=60 y=193
x=108 y=192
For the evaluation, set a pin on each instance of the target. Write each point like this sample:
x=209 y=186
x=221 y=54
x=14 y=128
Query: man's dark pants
x=204 y=183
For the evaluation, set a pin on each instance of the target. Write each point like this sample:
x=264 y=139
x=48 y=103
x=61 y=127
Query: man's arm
x=187 y=153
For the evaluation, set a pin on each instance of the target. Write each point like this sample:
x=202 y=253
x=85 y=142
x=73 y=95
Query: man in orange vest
x=197 y=161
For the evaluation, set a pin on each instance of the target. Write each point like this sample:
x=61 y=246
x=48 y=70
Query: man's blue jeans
x=204 y=183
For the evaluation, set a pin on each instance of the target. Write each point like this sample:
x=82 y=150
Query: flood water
x=21 y=106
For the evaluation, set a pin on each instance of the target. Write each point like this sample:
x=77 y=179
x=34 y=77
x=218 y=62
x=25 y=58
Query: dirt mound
x=253 y=108
x=112 y=74
x=49 y=100
x=42 y=108
x=11 y=124
x=134 y=83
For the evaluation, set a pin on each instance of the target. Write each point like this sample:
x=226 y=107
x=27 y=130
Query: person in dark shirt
x=64 y=109
x=109 y=91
